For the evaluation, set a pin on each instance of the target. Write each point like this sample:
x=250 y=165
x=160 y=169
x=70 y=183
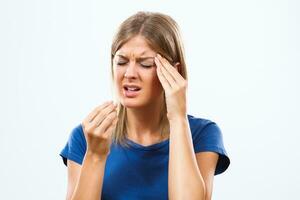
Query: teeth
x=132 y=89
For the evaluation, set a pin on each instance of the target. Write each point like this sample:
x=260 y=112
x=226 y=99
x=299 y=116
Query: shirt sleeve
x=209 y=138
x=75 y=147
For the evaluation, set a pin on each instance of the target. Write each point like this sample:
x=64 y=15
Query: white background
x=243 y=61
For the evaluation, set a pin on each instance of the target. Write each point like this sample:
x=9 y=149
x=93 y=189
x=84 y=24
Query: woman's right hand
x=98 y=127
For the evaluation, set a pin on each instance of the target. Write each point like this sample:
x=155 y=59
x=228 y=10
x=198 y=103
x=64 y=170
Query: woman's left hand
x=175 y=87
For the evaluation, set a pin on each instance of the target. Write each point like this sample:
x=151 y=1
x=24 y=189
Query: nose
x=131 y=71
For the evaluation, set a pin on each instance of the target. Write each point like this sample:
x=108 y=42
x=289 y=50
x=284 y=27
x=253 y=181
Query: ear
x=178 y=67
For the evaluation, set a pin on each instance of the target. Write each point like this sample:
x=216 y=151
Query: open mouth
x=133 y=89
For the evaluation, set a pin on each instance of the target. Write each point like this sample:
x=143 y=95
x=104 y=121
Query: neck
x=143 y=123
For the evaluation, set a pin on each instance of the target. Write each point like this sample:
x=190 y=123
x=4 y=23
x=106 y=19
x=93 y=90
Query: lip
x=130 y=94
x=131 y=85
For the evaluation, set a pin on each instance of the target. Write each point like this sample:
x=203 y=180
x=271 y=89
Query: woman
x=146 y=146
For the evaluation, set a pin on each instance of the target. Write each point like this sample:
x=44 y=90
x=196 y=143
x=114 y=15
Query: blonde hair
x=162 y=34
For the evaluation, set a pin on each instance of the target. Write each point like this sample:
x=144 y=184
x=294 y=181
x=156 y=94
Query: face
x=135 y=75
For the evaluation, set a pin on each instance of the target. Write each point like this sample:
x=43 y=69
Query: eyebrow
x=138 y=59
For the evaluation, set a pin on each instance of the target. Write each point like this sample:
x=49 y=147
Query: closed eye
x=143 y=65
x=146 y=66
x=121 y=63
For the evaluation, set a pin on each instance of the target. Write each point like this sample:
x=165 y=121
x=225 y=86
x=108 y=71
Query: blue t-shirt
x=141 y=172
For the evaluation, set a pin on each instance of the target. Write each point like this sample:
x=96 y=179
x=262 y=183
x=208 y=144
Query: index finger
x=171 y=69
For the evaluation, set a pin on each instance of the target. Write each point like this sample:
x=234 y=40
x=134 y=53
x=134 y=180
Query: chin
x=131 y=103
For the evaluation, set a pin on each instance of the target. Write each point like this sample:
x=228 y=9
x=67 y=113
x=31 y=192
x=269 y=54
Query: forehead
x=136 y=47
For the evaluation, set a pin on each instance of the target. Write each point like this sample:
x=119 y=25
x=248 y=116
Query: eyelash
x=145 y=66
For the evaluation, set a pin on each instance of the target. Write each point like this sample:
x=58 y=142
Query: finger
x=171 y=69
x=94 y=113
x=103 y=114
x=162 y=79
x=112 y=126
x=108 y=134
x=107 y=122
x=167 y=75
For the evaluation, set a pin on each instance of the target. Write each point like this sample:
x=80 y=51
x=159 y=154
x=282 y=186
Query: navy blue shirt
x=141 y=172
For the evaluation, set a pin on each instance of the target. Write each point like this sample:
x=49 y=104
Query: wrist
x=178 y=119
x=94 y=156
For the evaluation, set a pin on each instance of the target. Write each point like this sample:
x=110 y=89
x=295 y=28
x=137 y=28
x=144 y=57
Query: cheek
x=155 y=83
x=117 y=78
x=118 y=74
x=155 y=78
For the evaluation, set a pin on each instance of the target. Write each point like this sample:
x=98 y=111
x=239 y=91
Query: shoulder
x=77 y=133
x=75 y=147
x=207 y=137
x=197 y=120
x=198 y=124
x=206 y=134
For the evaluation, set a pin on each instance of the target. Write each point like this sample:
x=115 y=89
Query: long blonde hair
x=162 y=34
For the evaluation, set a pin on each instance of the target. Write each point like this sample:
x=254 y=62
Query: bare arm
x=185 y=179
x=89 y=185
x=85 y=182
x=73 y=176
x=207 y=162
